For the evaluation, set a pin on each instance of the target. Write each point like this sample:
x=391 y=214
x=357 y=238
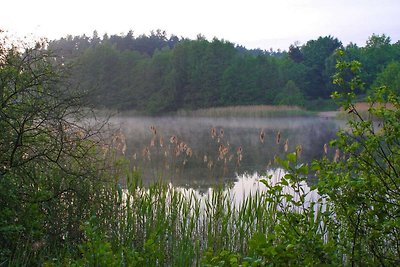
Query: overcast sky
x=261 y=24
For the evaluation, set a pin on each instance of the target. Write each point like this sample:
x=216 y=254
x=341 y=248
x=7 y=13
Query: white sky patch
x=253 y=23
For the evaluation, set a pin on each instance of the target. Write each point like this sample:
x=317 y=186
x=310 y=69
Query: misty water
x=198 y=153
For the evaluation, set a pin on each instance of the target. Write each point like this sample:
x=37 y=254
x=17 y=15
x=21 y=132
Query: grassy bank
x=248 y=111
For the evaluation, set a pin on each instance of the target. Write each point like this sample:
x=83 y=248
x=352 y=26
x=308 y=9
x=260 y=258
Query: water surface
x=201 y=152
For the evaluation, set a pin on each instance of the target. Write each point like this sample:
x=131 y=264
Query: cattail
x=189 y=152
x=239 y=159
x=213 y=133
x=239 y=155
x=146 y=153
x=177 y=151
x=210 y=164
x=161 y=141
x=173 y=139
x=286 y=147
x=222 y=151
x=325 y=148
x=278 y=138
x=299 y=149
x=337 y=155
x=220 y=148
x=153 y=130
x=123 y=150
x=262 y=136
x=119 y=141
x=182 y=147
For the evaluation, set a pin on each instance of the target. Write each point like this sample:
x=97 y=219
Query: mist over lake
x=187 y=151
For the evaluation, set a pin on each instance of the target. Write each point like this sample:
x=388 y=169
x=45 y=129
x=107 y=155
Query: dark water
x=197 y=158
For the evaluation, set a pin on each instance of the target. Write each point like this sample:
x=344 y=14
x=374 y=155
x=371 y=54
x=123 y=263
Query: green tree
x=295 y=54
x=290 y=95
x=315 y=53
x=161 y=84
x=390 y=77
x=376 y=54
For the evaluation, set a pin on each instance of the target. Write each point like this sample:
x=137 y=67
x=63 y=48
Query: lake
x=197 y=153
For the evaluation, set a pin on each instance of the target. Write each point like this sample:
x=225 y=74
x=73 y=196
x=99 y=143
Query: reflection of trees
x=157 y=159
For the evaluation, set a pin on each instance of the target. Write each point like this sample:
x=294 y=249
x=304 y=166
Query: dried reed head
x=221 y=133
x=173 y=139
x=299 y=150
x=278 y=138
x=337 y=155
x=146 y=153
x=286 y=146
x=239 y=154
x=213 y=133
x=223 y=150
x=153 y=129
x=119 y=141
x=210 y=164
x=189 y=152
x=262 y=136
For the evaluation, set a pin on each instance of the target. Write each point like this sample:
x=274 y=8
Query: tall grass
x=248 y=111
x=161 y=225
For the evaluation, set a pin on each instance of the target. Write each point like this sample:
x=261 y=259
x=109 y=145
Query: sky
x=260 y=24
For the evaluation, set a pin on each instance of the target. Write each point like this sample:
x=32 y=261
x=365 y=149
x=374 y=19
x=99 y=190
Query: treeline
x=156 y=73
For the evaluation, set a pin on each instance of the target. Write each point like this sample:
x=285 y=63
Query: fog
x=198 y=158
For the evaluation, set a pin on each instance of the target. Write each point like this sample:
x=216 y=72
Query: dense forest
x=157 y=73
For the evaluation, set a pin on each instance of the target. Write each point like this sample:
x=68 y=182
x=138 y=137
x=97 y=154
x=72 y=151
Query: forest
x=156 y=73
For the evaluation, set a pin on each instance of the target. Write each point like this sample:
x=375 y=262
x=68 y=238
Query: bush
x=362 y=181
x=49 y=171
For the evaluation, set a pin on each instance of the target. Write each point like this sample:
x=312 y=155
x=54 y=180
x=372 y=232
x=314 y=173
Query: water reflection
x=248 y=185
x=152 y=149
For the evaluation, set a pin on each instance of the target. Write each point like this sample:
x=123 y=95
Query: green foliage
x=361 y=182
x=390 y=77
x=290 y=95
x=316 y=55
x=298 y=236
x=49 y=171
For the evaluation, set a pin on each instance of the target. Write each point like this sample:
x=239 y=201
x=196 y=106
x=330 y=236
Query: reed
x=162 y=225
x=248 y=111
